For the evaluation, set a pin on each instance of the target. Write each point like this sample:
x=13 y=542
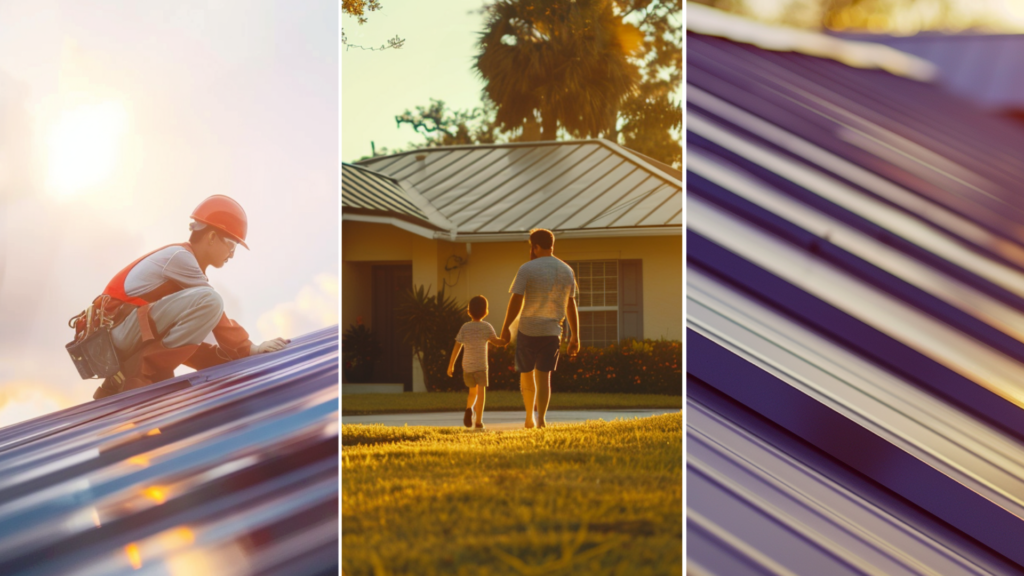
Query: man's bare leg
x=529 y=390
x=543 y=382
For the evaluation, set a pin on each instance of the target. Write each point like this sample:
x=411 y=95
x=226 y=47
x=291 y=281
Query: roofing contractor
x=155 y=313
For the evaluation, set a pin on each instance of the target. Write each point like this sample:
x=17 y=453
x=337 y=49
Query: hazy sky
x=116 y=118
x=436 y=62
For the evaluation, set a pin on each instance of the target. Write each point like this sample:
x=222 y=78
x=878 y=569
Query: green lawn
x=355 y=404
x=592 y=498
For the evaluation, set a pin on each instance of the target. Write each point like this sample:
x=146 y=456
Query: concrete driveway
x=501 y=420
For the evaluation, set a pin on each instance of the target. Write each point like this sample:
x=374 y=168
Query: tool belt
x=93 y=350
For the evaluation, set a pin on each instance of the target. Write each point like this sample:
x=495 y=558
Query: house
x=855 y=312
x=458 y=218
x=231 y=469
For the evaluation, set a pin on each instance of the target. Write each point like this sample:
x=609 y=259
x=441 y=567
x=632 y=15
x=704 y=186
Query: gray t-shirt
x=546 y=284
x=171 y=263
x=473 y=336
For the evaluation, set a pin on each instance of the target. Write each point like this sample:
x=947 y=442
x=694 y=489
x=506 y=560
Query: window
x=598 y=301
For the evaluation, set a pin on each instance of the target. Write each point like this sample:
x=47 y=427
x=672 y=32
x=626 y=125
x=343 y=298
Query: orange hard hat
x=224 y=214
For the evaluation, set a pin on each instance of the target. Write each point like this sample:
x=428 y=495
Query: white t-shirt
x=546 y=284
x=172 y=263
x=473 y=336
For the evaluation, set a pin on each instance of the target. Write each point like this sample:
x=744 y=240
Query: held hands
x=506 y=334
x=270 y=346
x=574 y=346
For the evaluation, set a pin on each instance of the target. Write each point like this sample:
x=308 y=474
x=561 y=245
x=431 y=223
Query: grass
x=356 y=404
x=592 y=498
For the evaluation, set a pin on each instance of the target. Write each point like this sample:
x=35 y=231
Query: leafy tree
x=566 y=62
x=359 y=8
x=441 y=126
x=650 y=121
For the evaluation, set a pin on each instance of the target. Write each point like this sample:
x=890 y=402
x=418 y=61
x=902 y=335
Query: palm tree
x=567 y=61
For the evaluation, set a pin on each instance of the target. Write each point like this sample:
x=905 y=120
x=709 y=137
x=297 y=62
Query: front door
x=395 y=364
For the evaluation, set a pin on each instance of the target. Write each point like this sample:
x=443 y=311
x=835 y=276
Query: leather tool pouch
x=95 y=356
x=93 y=350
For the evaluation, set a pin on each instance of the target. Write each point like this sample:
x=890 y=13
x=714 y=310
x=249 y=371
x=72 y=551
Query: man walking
x=161 y=307
x=544 y=290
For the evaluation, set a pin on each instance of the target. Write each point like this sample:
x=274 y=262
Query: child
x=475 y=336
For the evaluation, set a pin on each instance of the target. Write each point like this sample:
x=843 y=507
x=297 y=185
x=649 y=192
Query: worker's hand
x=270 y=346
x=450 y=370
x=574 y=346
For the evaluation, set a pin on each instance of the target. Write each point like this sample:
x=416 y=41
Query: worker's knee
x=208 y=299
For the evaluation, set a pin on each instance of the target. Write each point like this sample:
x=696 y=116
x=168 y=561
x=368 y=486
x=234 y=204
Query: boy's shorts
x=475 y=378
x=536 y=353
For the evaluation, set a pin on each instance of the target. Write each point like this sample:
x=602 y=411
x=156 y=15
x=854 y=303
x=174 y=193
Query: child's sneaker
x=468 y=419
x=480 y=426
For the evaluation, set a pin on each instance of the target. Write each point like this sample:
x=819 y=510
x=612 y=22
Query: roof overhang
x=452 y=236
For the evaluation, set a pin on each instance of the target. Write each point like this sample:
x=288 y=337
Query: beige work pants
x=181 y=319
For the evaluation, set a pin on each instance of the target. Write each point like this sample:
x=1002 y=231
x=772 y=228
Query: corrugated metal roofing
x=575 y=185
x=855 y=277
x=763 y=502
x=983 y=68
x=229 y=470
x=368 y=190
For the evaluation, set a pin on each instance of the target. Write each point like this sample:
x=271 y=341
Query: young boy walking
x=475 y=335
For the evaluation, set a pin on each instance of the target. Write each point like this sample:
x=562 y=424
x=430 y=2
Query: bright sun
x=83 y=146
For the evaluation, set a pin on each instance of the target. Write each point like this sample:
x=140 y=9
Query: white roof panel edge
x=711 y=22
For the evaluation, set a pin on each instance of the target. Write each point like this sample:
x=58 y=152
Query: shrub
x=359 y=352
x=631 y=367
x=429 y=324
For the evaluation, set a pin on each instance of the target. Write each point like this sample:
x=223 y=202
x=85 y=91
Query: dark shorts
x=536 y=353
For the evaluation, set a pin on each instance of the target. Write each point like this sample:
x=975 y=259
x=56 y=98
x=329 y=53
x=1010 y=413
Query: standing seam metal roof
x=361 y=188
x=574 y=185
x=856 y=278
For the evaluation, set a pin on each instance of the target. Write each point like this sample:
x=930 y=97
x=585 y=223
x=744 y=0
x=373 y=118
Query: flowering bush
x=631 y=366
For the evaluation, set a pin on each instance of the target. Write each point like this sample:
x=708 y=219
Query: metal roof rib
x=652 y=195
x=370 y=190
x=615 y=206
x=190 y=467
x=439 y=164
x=676 y=216
x=565 y=202
x=509 y=177
x=600 y=209
x=489 y=195
x=654 y=210
x=538 y=190
x=426 y=186
x=503 y=156
x=633 y=170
